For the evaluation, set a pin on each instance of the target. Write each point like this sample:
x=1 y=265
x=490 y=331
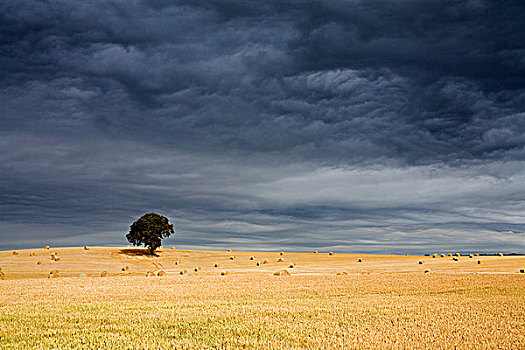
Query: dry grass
x=327 y=303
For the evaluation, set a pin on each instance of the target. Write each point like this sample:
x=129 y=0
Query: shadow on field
x=136 y=252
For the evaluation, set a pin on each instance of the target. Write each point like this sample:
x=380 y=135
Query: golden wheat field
x=236 y=300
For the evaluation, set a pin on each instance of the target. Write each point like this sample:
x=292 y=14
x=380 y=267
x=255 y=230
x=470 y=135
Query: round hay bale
x=128 y=246
x=420 y=262
x=232 y=257
x=177 y=262
x=477 y=254
x=315 y=252
x=32 y=254
x=104 y=274
x=230 y=250
x=161 y=273
x=216 y=265
x=258 y=263
x=161 y=247
x=479 y=262
x=291 y=266
x=46 y=247
x=281 y=253
x=39 y=263
x=183 y=272
x=265 y=261
x=224 y=273
x=281 y=273
x=53 y=274
x=173 y=248
x=15 y=252
x=449 y=254
x=455 y=258
x=331 y=253
x=86 y=247
x=252 y=258
x=442 y=255
x=458 y=255
x=522 y=270
x=123 y=269
x=427 y=270
x=280 y=260
x=196 y=269
x=150 y=274
x=57 y=258
x=471 y=256
x=360 y=260
x=500 y=254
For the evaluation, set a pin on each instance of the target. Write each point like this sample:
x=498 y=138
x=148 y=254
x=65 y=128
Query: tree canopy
x=149 y=230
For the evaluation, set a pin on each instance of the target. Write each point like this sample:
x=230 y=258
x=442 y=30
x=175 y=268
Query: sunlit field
x=323 y=302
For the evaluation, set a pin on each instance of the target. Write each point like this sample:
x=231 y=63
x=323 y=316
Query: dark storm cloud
x=264 y=124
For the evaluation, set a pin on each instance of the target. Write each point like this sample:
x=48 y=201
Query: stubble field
x=327 y=301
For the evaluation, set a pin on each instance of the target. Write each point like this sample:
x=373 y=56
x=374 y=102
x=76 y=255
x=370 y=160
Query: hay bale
x=161 y=247
x=150 y=274
x=434 y=256
x=123 y=269
x=224 y=273
x=46 y=247
x=2 y=275
x=232 y=257
x=15 y=252
x=291 y=266
x=477 y=254
x=341 y=273
x=522 y=270
x=57 y=258
x=161 y=273
x=449 y=254
x=196 y=269
x=281 y=253
x=280 y=260
x=258 y=263
x=479 y=262
x=86 y=247
x=216 y=265
x=316 y=252
x=173 y=248
x=455 y=258
x=104 y=274
x=442 y=255
x=427 y=270
x=420 y=262
x=252 y=258
x=281 y=273
x=470 y=256
x=177 y=262
x=458 y=255
x=265 y=261
x=500 y=254
x=128 y=246
x=230 y=250
x=53 y=274
x=360 y=260
x=32 y=254
x=331 y=253
x=39 y=263
x=183 y=272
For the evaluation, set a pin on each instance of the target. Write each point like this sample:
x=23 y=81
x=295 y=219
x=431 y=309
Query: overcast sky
x=352 y=126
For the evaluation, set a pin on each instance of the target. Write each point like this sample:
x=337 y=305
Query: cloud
x=268 y=124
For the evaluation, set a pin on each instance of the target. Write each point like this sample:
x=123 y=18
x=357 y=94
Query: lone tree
x=149 y=230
